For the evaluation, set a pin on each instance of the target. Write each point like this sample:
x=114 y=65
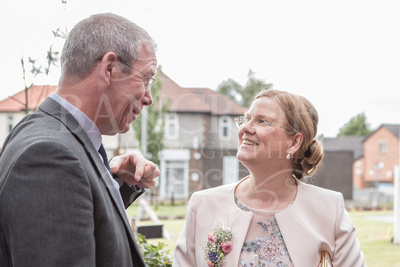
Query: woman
x=271 y=217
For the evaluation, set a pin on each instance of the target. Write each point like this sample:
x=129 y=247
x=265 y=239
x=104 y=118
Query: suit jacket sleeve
x=55 y=223
x=128 y=194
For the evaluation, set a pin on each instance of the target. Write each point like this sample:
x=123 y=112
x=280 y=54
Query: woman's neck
x=267 y=192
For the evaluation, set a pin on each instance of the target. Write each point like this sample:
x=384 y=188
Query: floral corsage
x=218 y=245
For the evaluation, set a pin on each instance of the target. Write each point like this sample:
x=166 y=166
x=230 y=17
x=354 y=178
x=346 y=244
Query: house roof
x=393 y=128
x=198 y=100
x=36 y=95
x=345 y=143
x=355 y=143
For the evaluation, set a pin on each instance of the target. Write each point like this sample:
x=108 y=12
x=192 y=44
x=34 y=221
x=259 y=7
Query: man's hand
x=134 y=169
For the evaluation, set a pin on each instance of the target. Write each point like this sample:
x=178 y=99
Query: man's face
x=128 y=94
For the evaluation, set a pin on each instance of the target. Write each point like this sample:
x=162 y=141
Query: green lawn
x=374 y=235
x=173 y=226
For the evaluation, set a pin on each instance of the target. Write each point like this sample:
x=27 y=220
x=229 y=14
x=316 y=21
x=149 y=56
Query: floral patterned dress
x=264 y=242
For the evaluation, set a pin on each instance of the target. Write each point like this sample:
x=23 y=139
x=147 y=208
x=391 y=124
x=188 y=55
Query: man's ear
x=107 y=66
x=297 y=140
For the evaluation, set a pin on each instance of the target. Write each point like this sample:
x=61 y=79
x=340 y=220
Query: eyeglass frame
x=267 y=123
x=147 y=86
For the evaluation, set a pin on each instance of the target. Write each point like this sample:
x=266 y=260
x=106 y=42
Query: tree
x=243 y=95
x=155 y=123
x=230 y=88
x=357 y=126
x=52 y=58
x=252 y=87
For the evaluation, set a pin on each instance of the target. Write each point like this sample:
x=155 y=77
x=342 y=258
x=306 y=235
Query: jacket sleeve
x=47 y=208
x=347 y=247
x=128 y=193
x=185 y=249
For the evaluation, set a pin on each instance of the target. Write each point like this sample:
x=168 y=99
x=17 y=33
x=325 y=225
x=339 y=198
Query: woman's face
x=263 y=140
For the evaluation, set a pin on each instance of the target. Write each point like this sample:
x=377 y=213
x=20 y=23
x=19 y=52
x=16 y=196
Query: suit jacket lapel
x=239 y=221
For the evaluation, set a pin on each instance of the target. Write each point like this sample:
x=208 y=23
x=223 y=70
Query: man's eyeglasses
x=148 y=81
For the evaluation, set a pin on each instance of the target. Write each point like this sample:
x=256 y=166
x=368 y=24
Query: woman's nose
x=247 y=127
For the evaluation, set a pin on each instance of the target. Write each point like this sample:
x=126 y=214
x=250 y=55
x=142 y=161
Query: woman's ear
x=297 y=140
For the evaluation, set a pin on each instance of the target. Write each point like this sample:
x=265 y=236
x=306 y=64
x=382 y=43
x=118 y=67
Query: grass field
x=374 y=234
x=375 y=237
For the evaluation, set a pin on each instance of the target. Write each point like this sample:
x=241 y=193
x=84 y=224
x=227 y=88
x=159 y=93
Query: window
x=172 y=126
x=225 y=124
x=10 y=122
x=174 y=179
x=230 y=169
x=383 y=147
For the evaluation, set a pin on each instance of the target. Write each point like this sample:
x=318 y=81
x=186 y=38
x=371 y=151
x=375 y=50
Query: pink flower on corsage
x=211 y=238
x=218 y=244
x=226 y=247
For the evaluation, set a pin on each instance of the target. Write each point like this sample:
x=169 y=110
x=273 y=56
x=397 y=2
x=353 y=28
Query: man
x=59 y=205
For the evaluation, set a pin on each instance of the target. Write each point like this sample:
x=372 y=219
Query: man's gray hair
x=93 y=37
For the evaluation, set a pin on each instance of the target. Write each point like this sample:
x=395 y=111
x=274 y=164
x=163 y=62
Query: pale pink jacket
x=316 y=221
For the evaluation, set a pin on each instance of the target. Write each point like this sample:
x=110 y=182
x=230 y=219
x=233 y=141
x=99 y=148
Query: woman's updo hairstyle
x=301 y=117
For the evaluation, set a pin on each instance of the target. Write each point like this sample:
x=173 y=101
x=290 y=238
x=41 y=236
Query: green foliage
x=230 y=88
x=60 y=33
x=252 y=87
x=52 y=58
x=243 y=95
x=155 y=123
x=154 y=255
x=357 y=126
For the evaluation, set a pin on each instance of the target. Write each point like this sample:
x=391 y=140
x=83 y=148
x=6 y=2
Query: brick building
x=381 y=155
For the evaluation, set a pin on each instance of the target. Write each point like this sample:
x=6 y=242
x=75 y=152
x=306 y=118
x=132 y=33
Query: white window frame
x=383 y=147
x=225 y=122
x=230 y=166
x=171 y=120
x=173 y=156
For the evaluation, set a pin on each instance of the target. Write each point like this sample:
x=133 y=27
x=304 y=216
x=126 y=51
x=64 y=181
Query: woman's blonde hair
x=301 y=117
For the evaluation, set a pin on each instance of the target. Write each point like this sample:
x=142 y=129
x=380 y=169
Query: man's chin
x=117 y=131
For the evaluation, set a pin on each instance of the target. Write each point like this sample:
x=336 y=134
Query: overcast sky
x=343 y=55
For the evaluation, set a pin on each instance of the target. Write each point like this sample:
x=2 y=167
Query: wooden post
x=133 y=226
x=396 y=207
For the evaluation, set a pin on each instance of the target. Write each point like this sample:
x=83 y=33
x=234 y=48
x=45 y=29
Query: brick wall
x=375 y=155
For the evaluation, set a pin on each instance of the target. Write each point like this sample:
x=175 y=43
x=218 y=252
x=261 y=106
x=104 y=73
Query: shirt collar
x=87 y=124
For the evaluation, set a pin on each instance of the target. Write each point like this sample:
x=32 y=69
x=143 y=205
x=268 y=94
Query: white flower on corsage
x=218 y=244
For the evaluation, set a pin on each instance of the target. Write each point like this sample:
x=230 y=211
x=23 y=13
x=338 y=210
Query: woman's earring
x=288 y=155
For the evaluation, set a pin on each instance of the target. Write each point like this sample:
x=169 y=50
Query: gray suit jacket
x=58 y=206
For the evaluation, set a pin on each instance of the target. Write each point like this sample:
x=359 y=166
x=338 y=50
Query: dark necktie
x=103 y=154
